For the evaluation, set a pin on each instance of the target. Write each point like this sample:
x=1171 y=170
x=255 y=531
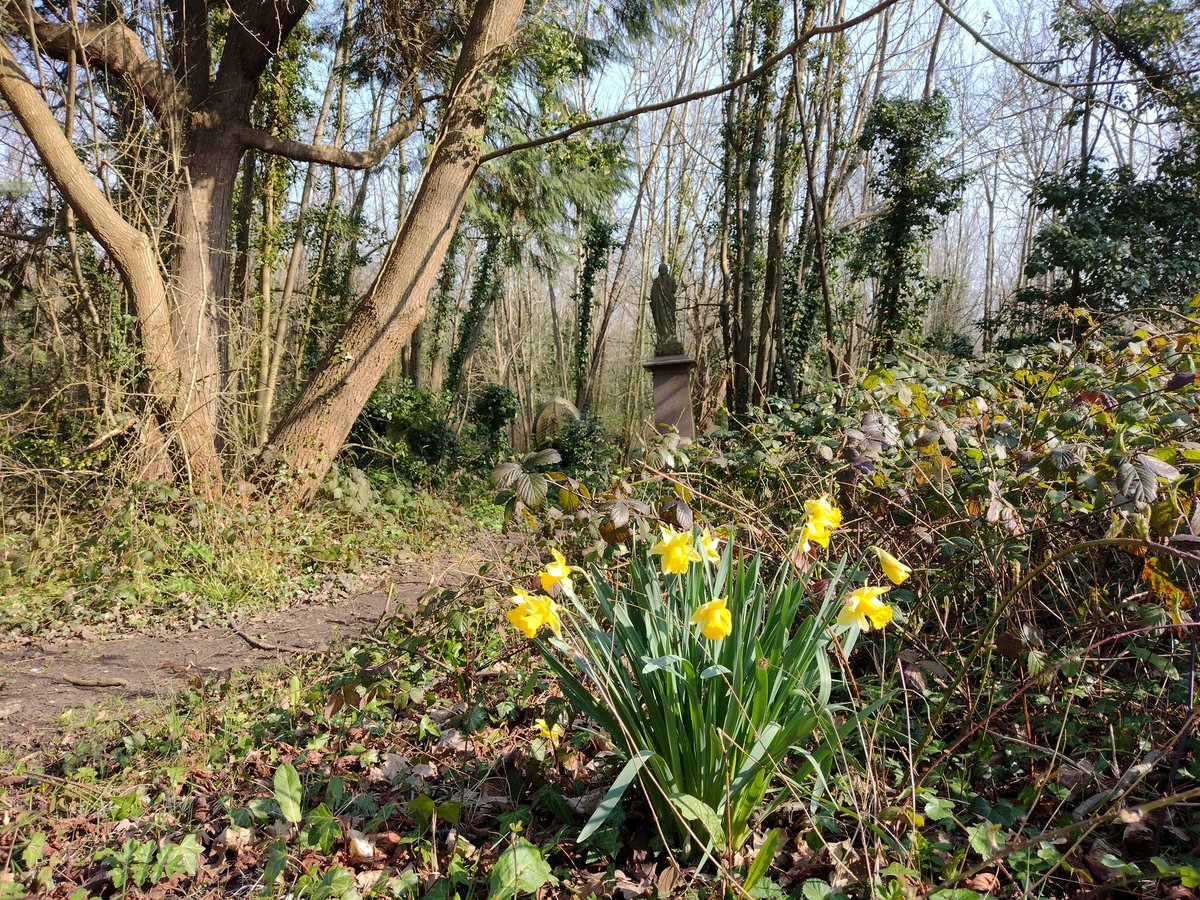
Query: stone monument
x=671 y=367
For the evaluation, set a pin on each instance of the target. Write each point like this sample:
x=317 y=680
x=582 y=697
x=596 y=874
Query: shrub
x=493 y=409
x=585 y=447
x=405 y=428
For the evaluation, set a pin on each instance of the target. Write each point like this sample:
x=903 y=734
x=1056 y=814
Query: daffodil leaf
x=660 y=662
x=614 y=794
x=755 y=757
x=714 y=671
x=763 y=860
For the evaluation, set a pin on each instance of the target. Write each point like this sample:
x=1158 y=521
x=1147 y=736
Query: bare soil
x=41 y=681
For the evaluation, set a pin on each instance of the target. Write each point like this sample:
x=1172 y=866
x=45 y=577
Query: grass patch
x=153 y=558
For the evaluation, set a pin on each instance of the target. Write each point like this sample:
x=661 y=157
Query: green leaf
x=184 y=857
x=321 y=829
x=762 y=862
x=519 y=870
x=531 y=488
x=276 y=862
x=422 y=809
x=614 y=794
x=985 y=838
x=693 y=809
x=32 y=854
x=288 y=792
x=816 y=889
x=938 y=808
x=714 y=671
x=660 y=662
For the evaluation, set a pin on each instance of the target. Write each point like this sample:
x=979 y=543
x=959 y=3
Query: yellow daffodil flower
x=557 y=572
x=551 y=734
x=711 y=546
x=895 y=570
x=714 y=619
x=862 y=607
x=677 y=549
x=821 y=517
x=531 y=612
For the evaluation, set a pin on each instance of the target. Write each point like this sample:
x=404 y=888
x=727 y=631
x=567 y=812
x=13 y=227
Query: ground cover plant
x=932 y=639
x=146 y=556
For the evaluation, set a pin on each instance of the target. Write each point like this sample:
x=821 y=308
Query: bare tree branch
x=753 y=74
x=372 y=156
x=113 y=48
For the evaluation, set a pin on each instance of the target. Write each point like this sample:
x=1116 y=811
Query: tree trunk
x=133 y=254
x=317 y=423
x=782 y=182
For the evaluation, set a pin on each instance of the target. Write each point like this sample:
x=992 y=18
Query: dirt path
x=41 y=681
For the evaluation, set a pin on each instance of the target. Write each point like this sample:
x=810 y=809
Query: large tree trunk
x=316 y=425
x=200 y=270
x=133 y=254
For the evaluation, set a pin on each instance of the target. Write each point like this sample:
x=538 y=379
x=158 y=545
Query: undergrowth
x=150 y=556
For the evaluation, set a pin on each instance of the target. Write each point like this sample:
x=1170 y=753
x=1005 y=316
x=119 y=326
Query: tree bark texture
x=316 y=425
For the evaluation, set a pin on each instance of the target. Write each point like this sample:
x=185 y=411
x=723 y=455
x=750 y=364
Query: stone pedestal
x=673 y=393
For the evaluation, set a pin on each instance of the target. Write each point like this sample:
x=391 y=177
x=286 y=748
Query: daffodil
x=677 y=549
x=551 y=734
x=821 y=517
x=862 y=607
x=714 y=619
x=532 y=612
x=711 y=546
x=895 y=570
x=557 y=572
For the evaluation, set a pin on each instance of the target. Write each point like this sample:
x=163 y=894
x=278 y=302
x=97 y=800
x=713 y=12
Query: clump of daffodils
x=671 y=659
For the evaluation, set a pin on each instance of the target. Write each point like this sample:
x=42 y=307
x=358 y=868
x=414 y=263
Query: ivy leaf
x=519 y=870
x=276 y=861
x=320 y=829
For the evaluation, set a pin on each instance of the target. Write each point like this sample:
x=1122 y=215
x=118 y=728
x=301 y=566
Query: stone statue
x=662 y=307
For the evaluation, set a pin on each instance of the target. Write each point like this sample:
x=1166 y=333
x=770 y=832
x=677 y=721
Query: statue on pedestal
x=662 y=308
x=671 y=367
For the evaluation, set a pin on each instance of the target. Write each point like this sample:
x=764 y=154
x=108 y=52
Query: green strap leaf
x=762 y=862
x=615 y=793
